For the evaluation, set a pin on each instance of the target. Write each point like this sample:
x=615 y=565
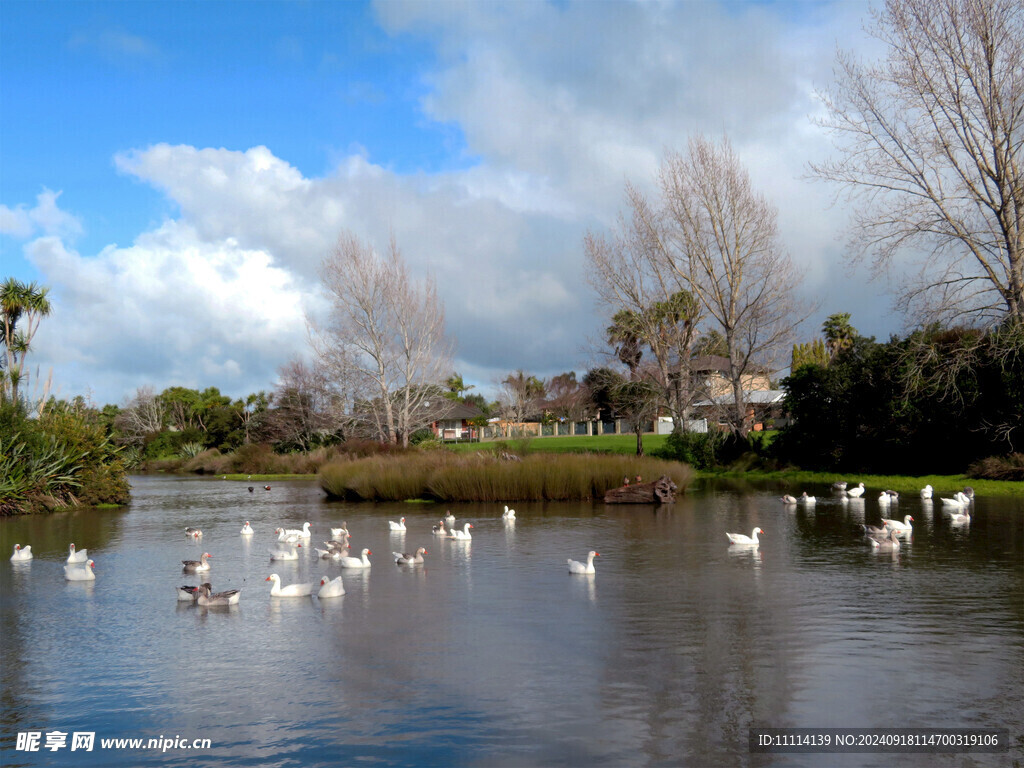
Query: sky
x=176 y=173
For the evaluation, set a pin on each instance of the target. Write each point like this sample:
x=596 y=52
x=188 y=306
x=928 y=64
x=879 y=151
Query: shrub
x=999 y=468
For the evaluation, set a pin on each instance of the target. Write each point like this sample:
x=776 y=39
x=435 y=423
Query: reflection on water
x=491 y=652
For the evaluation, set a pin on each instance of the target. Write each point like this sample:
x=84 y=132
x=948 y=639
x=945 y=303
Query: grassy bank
x=798 y=481
x=477 y=476
x=624 y=445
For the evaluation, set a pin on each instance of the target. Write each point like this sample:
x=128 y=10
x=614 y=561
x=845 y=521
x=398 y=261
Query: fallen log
x=661 y=491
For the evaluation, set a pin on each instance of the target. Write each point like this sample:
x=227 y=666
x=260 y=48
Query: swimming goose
x=227 y=597
x=959 y=500
x=439 y=529
x=891 y=544
x=856 y=493
x=926 y=492
x=83 y=572
x=739 y=538
x=292 y=590
x=356 y=562
x=805 y=499
x=331 y=587
x=464 y=534
x=195 y=533
x=404 y=558
x=508 y=514
x=896 y=525
x=959 y=518
x=189 y=594
x=449 y=519
x=76 y=556
x=399 y=526
x=22 y=553
x=787 y=499
x=291 y=553
x=839 y=485
x=196 y=566
x=875 y=532
x=968 y=491
x=303 y=534
x=584 y=568
x=247 y=529
x=884 y=499
x=337 y=533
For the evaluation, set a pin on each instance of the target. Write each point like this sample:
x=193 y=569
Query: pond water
x=491 y=653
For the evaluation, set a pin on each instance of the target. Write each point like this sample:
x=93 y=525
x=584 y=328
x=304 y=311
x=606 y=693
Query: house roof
x=750 y=396
x=461 y=411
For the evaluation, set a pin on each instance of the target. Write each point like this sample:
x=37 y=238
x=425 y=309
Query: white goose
x=356 y=562
x=508 y=514
x=399 y=526
x=292 y=553
x=337 y=533
x=449 y=519
x=896 y=525
x=959 y=518
x=227 y=597
x=247 y=529
x=196 y=566
x=464 y=534
x=303 y=534
x=805 y=499
x=292 y=590
x=856 y=493
x=21 y=553
x=331 y=587
x=77 y=556
x=80 y=572
x=404 y=558
x=584 y=569
x=958 y=501
x=787 y=499
x=884 y=499
x=439 y=529
x=742 y=540
x=926 y=492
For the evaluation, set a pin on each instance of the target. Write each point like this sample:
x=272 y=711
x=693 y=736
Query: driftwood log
x=661 y=491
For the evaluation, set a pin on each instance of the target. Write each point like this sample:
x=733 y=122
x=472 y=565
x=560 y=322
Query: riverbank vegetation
x=483 y=476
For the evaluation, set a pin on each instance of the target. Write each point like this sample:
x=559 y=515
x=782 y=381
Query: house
x=456 y=423
x=711 y=377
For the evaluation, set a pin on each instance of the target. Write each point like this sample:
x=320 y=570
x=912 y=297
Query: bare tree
x=633 y=275
x=930 y=142
x=385 y=337
x=520 y=395
x=143 y=415
x=726 y=252
x=301 y=415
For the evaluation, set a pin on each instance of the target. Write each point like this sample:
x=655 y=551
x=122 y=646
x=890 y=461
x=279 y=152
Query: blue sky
x=175 y=172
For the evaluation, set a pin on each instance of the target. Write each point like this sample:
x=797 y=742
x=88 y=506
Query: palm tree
x=22 y=306
x=839 y=334
x=624 y=334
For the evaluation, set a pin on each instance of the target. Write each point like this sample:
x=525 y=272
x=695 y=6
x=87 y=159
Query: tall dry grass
x=479 y=477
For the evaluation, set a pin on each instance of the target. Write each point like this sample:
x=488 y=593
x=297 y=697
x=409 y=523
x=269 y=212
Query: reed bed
x=476 y=477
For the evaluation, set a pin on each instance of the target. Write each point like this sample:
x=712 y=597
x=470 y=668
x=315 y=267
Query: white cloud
x=45 y=217
x=562 y=103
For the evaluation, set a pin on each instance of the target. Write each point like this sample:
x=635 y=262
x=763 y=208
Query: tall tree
x=727 y=254
x=633 y=276
x=521 y=394
x=839 y=334
x=22 y=307
x=930 y=143
x=385 y=335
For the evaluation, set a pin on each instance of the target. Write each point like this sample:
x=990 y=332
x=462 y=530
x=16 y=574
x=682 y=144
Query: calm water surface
x=491 y=653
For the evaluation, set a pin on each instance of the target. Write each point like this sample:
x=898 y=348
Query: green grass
x=795 y=480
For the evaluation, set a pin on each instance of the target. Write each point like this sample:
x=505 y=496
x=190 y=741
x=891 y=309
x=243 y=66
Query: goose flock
x=889 y=536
